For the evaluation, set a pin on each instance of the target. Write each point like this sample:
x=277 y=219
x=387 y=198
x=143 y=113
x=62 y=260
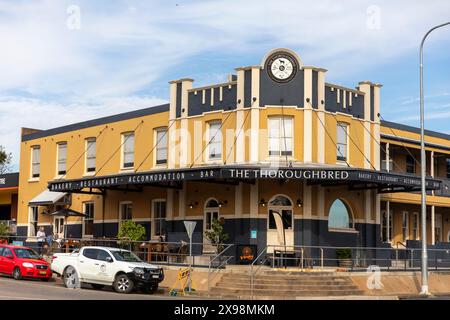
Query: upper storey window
x=35 y=162
x=128 y=150
x=62 y=158
x=280 y=136
x=342 y=141
x=161 y=145
x=410 y=165
x=91 y=146
x=214 y=140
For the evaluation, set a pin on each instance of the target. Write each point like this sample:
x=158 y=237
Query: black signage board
x=9 y=180
x=339 y=175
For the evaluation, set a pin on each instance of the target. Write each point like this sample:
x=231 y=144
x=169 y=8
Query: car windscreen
x=26 y=254
x=127 y=256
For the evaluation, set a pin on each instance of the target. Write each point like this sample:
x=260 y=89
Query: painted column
x=321 y=115
x=388 y=152
x=182 y=202
x=388 y=223
x=238 y=200
x=254 y=199
x=185 y=138
x=240 y=141
x=433 y=225
x=307 y=204
x=307 y=116
x=432 y=167
x=254 y=133
x=366 y=88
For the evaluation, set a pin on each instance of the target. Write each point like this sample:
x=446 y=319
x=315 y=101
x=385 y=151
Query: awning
x=65 y=212
x=326 y=176
x=47 y=197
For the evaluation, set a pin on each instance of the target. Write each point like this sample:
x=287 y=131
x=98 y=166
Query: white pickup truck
x=104 y=266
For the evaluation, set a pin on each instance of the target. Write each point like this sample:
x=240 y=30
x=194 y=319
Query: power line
x=403 y=145
x=203 y=150
x=236 y=137
x=115 y=151
x=85 y=151
x=154 y=147
x=323 y=125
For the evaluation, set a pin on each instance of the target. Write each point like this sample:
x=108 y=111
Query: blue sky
x=68 y=61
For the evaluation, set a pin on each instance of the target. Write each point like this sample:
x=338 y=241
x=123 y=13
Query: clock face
x=281 y=67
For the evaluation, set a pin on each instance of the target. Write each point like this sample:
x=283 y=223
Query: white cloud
x=33 y=113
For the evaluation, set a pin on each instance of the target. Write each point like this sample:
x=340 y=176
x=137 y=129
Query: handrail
x=221 y=264
x=252 y=274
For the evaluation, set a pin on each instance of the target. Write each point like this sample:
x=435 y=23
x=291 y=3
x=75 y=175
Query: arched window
x=280 y=201
x=339 y=216
x=212 y=203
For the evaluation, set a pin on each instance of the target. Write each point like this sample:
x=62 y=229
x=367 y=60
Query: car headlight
x=138 y=270
x=27 y=265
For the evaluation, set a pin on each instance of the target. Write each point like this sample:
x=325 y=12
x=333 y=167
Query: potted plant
x=344 y=257
x=217 y=235
x=130 y=233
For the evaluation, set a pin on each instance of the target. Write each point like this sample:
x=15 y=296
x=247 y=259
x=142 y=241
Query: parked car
x=22 y=262
x=104 y=266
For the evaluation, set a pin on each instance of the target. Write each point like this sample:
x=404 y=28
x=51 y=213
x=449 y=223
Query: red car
x=22 y=262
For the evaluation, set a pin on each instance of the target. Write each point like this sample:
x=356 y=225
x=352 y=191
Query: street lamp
x=424 y=268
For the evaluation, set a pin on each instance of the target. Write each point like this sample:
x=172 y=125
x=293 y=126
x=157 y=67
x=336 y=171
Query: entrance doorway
x=58 y=227
x=211 y=212
x=280 y=223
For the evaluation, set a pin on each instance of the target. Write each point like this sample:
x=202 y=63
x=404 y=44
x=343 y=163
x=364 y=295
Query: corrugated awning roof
x=47 y=197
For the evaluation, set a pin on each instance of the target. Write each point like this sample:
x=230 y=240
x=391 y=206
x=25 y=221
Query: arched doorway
x=280 y=223
x=211 y=212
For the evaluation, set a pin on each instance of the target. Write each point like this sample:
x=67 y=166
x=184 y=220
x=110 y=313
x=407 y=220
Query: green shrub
x=131 y=231
x=217 y=235
x=4 y=229
x=343 y=253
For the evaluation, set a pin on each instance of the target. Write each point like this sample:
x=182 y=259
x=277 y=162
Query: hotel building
x=274 y=150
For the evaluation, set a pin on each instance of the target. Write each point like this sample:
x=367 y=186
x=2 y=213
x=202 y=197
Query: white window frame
x=384 y=226
x=120 y=211
x=153 y=223
x=90 y=219
x=405 y=226
x=32 y=163
x=87 y=170
x=213 y=140
x=31 y=220
x=346 y=125
x=160 y=147
x=58 y=228
x=416 y=226
x=438 y=225
x=210 y=210
x=125 y=136
x=282 y=136
x=61 y=173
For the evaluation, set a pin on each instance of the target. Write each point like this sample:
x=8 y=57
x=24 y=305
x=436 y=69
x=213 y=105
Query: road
x=11 y=289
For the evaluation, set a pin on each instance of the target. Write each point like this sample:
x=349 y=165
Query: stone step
x=291 y=294
x=285 y=288
x=271 y=282
x=282 y=279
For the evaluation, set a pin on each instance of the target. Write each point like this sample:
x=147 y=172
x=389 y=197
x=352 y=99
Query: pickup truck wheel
x=123 y=284
x=70 y=278
x=17 y=275
x=97 y=286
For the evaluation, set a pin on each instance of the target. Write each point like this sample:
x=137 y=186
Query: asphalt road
x=11 y=289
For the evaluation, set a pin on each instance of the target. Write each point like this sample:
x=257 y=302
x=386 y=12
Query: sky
x=68 y=61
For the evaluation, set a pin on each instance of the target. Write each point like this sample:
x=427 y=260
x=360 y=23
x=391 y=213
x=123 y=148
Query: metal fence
x=351 y=258
x=161 y=253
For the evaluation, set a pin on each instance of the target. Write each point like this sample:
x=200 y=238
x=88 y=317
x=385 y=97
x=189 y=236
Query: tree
x=130 y=232
x=5 y=160
x=217 y=235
